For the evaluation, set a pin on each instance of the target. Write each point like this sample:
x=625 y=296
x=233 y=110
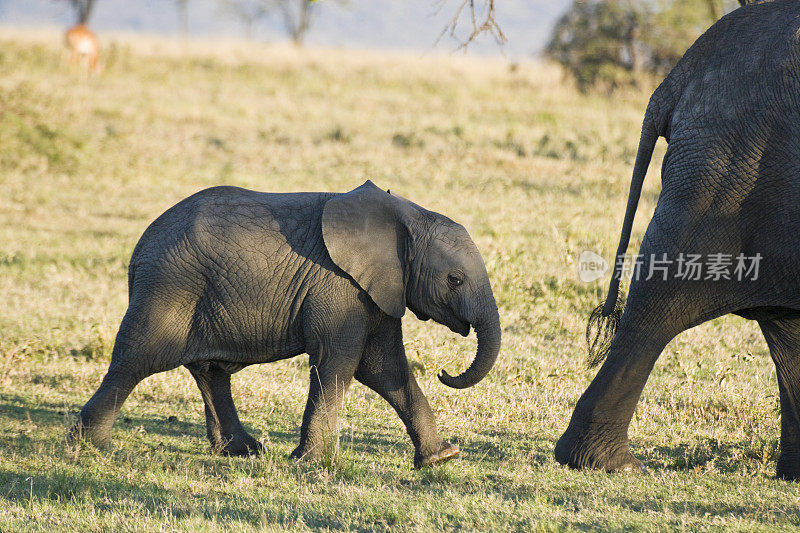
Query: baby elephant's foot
x=446 y=452
x=306 y=453
x=240 y=445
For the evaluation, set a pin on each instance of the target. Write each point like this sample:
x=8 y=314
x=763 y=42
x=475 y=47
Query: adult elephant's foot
x=611 y=455
x=788 y=467
x=445 y=452
x=240 y=445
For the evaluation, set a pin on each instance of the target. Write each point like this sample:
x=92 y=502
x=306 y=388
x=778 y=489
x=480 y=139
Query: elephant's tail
x=604 y=319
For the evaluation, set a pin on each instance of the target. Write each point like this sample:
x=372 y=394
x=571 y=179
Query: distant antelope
x=81 y=43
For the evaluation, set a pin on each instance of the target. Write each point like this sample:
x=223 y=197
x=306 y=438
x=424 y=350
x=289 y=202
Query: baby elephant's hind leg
x=98 y=415
x=224 y=430
x=139 y=351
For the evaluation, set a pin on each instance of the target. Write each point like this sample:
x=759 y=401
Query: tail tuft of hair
x=600 y=331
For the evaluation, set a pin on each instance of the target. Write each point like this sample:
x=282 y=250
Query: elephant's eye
x=454 y=280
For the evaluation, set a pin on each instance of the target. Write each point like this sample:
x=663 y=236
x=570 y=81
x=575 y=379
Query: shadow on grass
x=495 y=447
x=681 y=509
x=61 y=414
x=53 y=415
x=724 y=457
x=705 y=510
x=74 y=483
x=21 y=408
x=77 y=486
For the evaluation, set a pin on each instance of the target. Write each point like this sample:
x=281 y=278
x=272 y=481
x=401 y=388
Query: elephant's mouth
x=456 y=325
x=461 y=327
x=421 y=316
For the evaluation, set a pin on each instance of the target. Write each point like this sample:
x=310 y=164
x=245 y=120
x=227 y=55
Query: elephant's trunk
x=487 y=327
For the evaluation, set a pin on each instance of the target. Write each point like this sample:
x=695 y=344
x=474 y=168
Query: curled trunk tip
x=488 y=333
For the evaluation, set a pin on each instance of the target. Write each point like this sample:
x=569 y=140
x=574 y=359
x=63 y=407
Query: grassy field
x=534 y=170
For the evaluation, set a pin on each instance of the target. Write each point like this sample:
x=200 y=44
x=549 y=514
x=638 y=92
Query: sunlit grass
x=534 y=170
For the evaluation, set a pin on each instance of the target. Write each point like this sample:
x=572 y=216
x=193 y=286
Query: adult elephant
x=230 y=277
x=730 y=111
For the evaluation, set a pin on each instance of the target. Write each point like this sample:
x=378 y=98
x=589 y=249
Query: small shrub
x=407 y=140
x=337 y=134
x=610 y=43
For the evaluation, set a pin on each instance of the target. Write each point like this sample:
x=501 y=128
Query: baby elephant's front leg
x=384 y=368
x=320 y=429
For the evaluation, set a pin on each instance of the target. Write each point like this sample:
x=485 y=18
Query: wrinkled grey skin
x=230 y=277
x=730 y=111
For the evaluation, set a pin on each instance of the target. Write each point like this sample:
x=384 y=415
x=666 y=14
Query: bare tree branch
x=481 y=18
x=248 y=12
x=183 y=15
x=297 y=15
x=288 y=17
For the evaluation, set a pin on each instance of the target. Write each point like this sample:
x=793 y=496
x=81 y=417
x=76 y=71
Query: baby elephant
x=230 y=277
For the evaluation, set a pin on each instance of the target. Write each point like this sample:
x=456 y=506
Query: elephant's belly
x=234 y=359
x=243 y=338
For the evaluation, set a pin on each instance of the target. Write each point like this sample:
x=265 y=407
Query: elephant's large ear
x=365 y=237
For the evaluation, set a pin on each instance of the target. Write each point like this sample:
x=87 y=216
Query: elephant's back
x=740 y=80
x=234 y=262
x=221 y=217
x=731 y=175
x=734 y=120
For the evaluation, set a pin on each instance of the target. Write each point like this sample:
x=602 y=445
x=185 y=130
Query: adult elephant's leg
x=783 y=339
x=656 y=311
x=223 y=428
x=384 y=368
x=597 y=436
x=143 y=347
x=789 y=460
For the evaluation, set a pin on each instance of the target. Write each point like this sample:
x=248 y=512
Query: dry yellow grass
x=535 y=171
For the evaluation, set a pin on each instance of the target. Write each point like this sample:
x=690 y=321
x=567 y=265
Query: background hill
x=389 y=24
